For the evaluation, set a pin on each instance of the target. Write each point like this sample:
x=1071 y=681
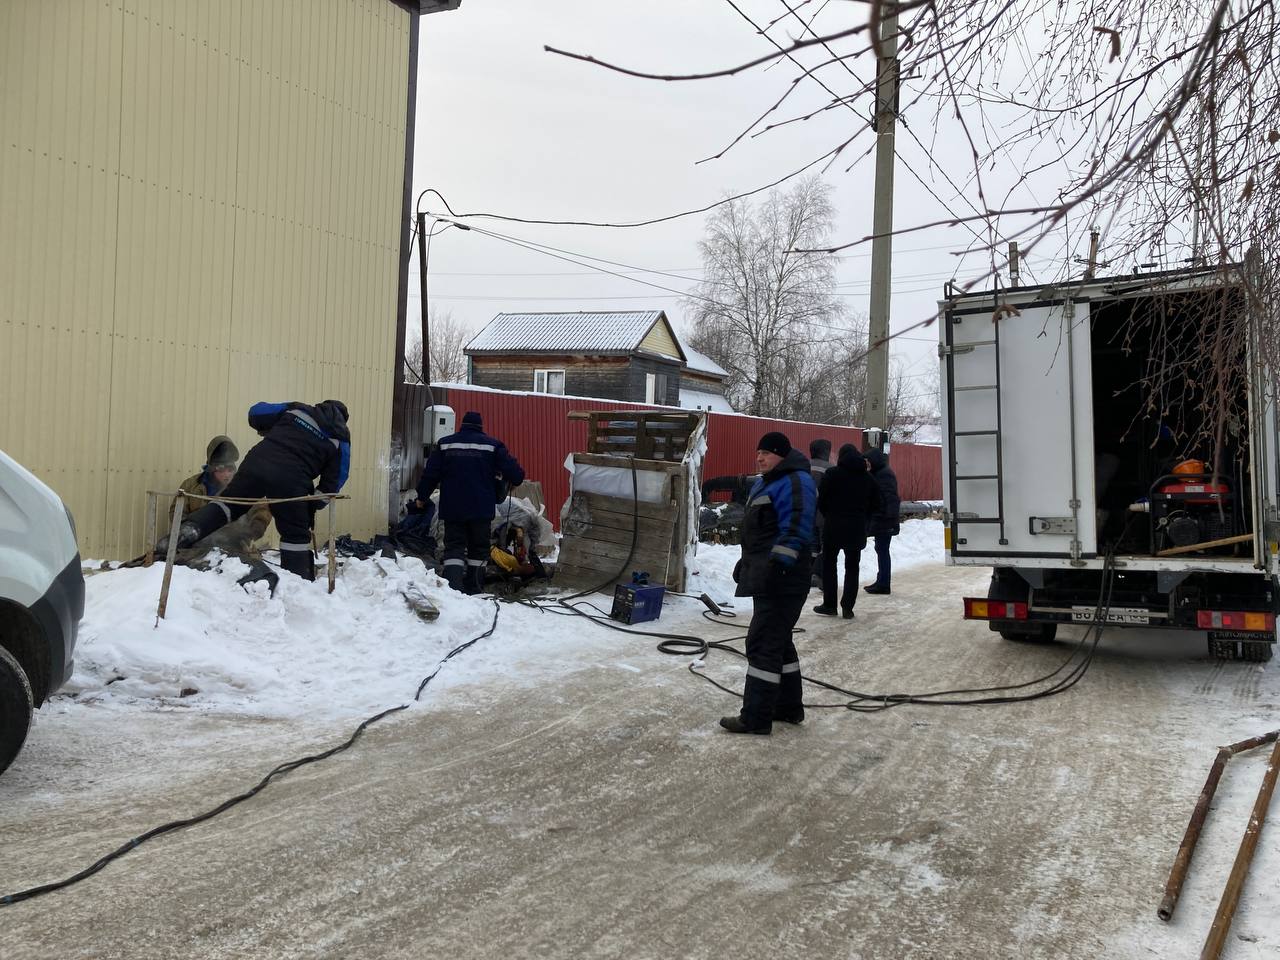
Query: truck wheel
x=1032 y=633
x=16 y=705
x=1256 y=651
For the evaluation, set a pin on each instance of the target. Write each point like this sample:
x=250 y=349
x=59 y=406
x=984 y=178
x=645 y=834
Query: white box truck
x=1063 y=470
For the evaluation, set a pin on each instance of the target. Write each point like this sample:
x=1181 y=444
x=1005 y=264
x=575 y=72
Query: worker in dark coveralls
x=774 y=571
x=883 y=524
x=847 y=496
x=466 y=467
x=299 y=442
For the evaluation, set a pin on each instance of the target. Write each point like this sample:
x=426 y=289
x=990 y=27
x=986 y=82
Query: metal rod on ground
x=1240 y=869
x=150 y=535
x=333 y=557
x=170 y=555
x=1182 y=862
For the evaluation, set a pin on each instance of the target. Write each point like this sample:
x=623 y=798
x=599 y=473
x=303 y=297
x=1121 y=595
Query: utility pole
x=876 y=414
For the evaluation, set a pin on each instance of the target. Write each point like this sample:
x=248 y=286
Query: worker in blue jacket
x=777 y=534
x=299 y=443
x=467 y=466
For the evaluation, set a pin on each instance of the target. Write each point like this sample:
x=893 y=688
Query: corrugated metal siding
x=201 y=206
x=606 y=332
x=537 y=430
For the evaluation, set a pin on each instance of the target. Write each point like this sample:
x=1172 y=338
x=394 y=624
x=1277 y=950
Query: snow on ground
x=919 y=543
x=303 y=652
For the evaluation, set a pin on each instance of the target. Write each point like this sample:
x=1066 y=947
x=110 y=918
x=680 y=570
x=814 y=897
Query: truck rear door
x=1018 y=425
x=1264 y=469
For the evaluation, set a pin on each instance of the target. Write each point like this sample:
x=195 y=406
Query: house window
x=548 y=381
x=655 y=388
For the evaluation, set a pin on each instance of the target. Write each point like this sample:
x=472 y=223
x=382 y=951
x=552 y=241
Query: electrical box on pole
x=875 y=415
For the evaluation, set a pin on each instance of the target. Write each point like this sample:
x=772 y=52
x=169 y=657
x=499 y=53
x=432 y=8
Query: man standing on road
x=774 y=571
x=884 y=523
x=819 y=464
x=300 y=442
x=466 y=467
x=847 y=496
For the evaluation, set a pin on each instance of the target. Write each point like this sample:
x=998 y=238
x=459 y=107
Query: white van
x=41 y=600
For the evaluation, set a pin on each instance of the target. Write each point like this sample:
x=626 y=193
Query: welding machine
x=637 y=601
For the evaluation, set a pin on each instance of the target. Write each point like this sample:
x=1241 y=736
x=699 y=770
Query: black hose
x=282 y=770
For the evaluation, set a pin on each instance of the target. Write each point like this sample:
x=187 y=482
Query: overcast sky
x=505 y=127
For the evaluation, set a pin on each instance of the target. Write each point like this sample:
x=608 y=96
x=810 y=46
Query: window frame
x=545 y=374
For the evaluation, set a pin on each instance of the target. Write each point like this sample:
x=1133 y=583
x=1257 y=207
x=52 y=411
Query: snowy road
x=595 y=810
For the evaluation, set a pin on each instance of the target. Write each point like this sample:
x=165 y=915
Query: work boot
x=188 y=534
x=456 y=577
x=758 y=700
x=789 y=708
x=847 y=613
x=301 y=563
x=876 y=588
x=475 y=580
x=824 y=611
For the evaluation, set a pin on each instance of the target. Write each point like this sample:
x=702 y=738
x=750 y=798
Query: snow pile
x=302 y=652
x=919 y=543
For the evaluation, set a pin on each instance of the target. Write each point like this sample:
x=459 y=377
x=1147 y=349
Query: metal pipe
x=1182 y=862
x=1244 y=856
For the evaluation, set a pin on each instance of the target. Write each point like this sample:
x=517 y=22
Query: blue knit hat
x=472 y=419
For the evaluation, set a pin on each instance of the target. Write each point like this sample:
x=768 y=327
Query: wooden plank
x=1207 y=545
x=617 y=523
x=652 y=536
x=608 y=556
x=627 y=507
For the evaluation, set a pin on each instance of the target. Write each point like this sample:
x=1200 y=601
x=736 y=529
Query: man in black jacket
x=299 y=442
x=774 y=571
x=466 y=466
x=847 y=496
x=884 y=523
x=819 y=464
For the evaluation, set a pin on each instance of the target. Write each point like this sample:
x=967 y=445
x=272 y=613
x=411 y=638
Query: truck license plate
x=1114 y=615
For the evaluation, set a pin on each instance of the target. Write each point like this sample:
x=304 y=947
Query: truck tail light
x=979 y=609
x=1248 y=621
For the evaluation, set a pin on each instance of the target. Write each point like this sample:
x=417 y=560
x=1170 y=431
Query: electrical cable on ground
x=282 y=770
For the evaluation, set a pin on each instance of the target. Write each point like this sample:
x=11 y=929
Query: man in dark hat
x=220 y=466
x=467 y=466
x=299 y=443
x=774 y=571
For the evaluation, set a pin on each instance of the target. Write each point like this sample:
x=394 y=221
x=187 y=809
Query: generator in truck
x=1111 y=451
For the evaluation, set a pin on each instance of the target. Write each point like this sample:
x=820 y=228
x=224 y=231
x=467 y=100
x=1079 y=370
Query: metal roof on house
x=700 y=362
x=607 y=332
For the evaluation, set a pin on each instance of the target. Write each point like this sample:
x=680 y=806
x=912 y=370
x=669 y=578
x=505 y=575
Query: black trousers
x=773 y=665
x=466 y=552
x=851 y=540
x=267 y=477
x=256 y=479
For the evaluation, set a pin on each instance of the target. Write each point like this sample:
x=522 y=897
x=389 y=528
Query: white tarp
x=649 y=486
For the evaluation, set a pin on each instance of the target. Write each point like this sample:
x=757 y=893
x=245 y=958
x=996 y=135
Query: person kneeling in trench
x=299 y=442
x=774 y=571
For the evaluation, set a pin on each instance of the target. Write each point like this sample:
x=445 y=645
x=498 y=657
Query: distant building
x=632 y=356
x=702 y=385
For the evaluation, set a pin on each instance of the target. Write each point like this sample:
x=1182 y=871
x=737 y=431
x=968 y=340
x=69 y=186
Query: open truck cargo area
x=1110 y=452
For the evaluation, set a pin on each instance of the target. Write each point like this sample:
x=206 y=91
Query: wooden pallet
x=599 y=531
x=643 y=434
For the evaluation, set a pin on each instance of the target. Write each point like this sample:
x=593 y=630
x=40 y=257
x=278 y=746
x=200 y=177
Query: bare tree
x=1157 y=121
x=448 y=361
x=766 y=314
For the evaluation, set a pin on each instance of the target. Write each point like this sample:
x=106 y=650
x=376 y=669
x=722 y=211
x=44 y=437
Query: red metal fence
x=537 y=429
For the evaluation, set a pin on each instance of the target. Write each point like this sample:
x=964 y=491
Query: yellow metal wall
x=200 y=206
